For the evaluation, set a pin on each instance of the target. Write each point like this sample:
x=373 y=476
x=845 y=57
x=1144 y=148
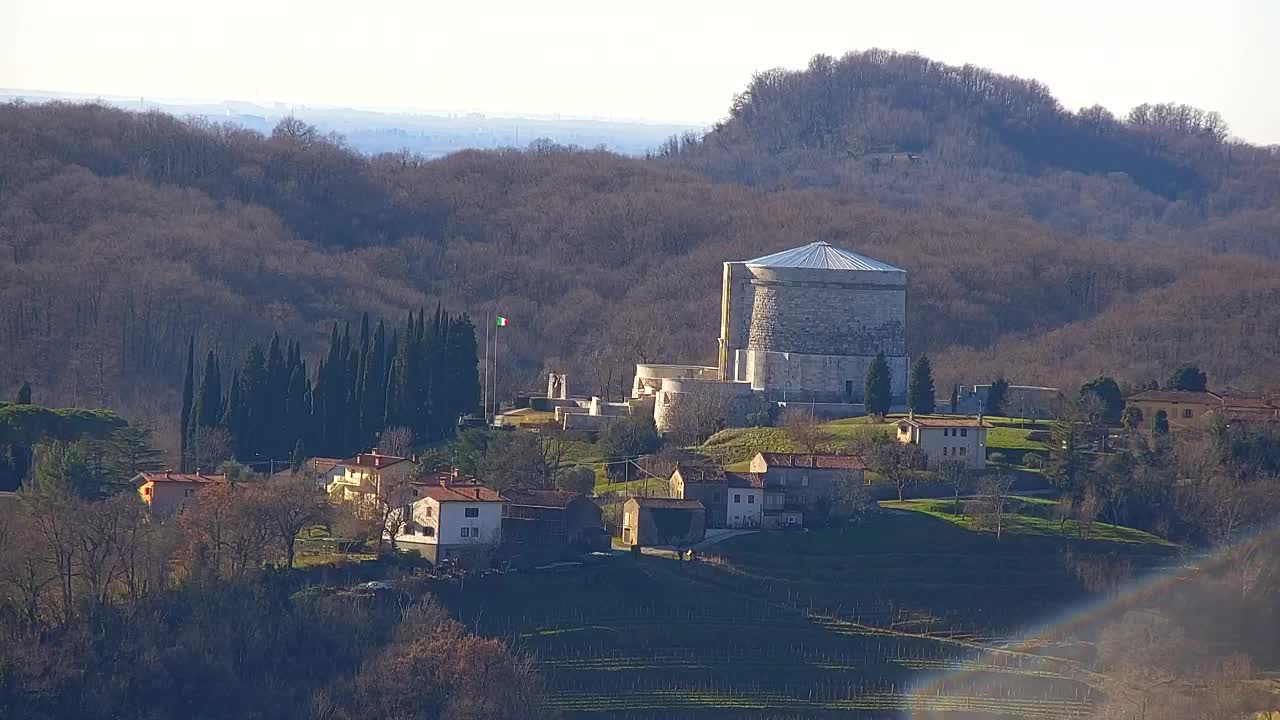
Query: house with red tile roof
x=166 y=493
x=446 y=517
x=804 y=482
x=731 y=499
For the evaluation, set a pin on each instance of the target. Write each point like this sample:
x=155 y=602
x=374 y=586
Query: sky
x=657 y=60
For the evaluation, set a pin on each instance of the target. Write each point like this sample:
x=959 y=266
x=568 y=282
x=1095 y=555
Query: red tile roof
x=542 y=498
x=459 y=493
x=373 y=460
x=674 y=503
x=196 y=477
x=820 y=461
x=1177 y=396
x=711 y=475
x=945 y=422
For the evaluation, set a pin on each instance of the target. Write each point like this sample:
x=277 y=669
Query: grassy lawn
x=1008 y=438
x=1030 y=516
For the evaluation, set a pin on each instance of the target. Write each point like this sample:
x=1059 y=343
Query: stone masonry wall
x=828 y=320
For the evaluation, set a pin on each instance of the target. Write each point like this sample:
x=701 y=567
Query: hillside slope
x=121 y=234
x=912 y=132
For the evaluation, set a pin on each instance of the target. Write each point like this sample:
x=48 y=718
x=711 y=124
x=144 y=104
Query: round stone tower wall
x=828 y=318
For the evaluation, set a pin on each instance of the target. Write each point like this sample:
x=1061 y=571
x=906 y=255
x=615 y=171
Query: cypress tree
x=253 y=390
x=299 y=457
x=920 y=390
x=372 y=391
x=296 y=413
x=208 y=402
x=233 y=417
x=955 y=398
x=876 y=394
x=188 y=392
x=275 y=440
x=24 y=394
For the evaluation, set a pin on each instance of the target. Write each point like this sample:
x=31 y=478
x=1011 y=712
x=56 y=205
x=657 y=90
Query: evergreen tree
x=1188 y=378
x=132 y=452
x=24 y=394
x=233 y=417
x=373 y=392
x=997 y=395
x=208 y=402
x=955 y=398
x=1108 y=391
x=299 y=457
x=1160 y=426
x=920 y=390
x=297 y=415
x=876 y=395
x=188 y=392
x=253 y=393
x=275 y=440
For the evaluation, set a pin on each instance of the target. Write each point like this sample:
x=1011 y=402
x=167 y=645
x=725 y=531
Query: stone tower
x=804 y=324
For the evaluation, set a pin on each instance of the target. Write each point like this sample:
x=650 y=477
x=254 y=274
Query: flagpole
x=485 y=412
x=495 y=370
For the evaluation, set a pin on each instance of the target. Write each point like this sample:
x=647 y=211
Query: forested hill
x=909 y=131
x=123 y=234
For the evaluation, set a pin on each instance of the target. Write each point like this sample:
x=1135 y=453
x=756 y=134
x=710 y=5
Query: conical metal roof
x=822 y=256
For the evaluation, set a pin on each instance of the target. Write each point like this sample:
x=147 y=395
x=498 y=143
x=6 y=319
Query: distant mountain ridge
x=375 y=131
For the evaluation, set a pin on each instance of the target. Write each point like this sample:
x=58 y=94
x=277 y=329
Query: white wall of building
x=745 y=507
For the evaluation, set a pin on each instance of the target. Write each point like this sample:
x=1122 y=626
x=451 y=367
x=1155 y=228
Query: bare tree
x=210 y=448
x=852 y=497
x=388 y=500
x=290 y=504
x=953 y=474
x=897 y=463
x=803 y=428
x=396 y=441
x=697 y=414
x=993 y=501
x=1063 y=509
x=1087 y=511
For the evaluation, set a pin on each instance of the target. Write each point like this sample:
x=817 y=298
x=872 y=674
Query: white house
x=947 y=438
x=731 y=499
x=461 y=522
x=745 y=499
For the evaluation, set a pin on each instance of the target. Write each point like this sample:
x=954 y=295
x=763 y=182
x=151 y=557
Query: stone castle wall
x=822 y=378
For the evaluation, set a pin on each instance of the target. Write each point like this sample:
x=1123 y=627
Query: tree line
x=423 y=379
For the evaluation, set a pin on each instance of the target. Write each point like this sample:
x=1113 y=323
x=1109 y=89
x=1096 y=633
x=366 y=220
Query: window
x=429 y=531
x=408 y=529
x=737 y=498
x=188 y=492
x=414 y=491
x=751 y=499
x=1186 y=414
x=466 y=532
x=146 y=492
x=471 y=512
x=962 y=450
x=666 y=398
x=428 y=511
x=804 y=481
x=475 y=532
x=964 y=432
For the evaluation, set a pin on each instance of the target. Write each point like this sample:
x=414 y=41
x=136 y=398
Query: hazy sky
x=654 y=60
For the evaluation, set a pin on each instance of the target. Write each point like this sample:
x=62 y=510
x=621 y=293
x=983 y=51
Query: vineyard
x=808 y=625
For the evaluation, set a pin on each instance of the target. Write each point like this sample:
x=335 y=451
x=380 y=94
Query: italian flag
x=502 y=321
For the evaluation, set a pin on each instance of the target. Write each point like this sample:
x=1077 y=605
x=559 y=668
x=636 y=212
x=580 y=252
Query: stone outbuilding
x=731 y=499
x=663 y=521
x=550 y=523
x=805 y=481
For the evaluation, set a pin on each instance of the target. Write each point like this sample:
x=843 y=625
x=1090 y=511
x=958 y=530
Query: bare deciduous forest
x=1048 y=245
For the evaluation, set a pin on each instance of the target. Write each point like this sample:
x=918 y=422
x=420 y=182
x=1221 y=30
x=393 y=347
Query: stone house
x=663 y=521
x=549 y=523
x=166 y=493
x=804 y=482
x=947 y=438
x=445 y=521
x=731 y=499
x=1189 y=410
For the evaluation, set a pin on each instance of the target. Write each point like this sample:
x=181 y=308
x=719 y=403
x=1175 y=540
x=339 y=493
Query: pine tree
x=920 y=390
x=24 y=394
x=188 y=392
x=876 y=395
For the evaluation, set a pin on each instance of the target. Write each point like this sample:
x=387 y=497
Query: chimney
x=477 y=493
x=453 y=474
x=911 y=414
x=167 y=473
x=444 y=482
